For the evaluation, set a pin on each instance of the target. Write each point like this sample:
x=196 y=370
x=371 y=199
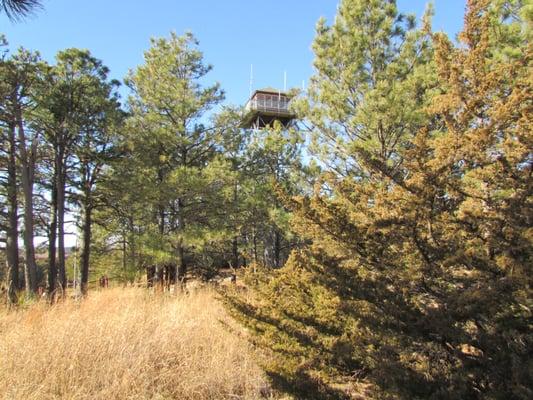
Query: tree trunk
x=235 y=252
x=254 y=240
x=235 y=244
x=124 y=253
x=61 y=182
x=86 y=251
x=132 y=243
x=12 y=250
x=181 y=266
x=158 y=267
x=52 y=237
x=277 y=248
x=27 y=178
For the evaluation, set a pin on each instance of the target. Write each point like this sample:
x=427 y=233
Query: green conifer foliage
x=416 y=282
x=174 y=150
x=373 y=74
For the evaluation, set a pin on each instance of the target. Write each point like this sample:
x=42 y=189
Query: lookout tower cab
x=266 y=106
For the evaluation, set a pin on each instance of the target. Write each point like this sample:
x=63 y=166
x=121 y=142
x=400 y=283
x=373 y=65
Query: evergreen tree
x=276 y=159
x=73 y=105
x=9 y=188
x=416 y=282
x=17 y=9
x=371 y=60
x=22 y=74
x=259 y=159
x=93 y=151
x=174 y=148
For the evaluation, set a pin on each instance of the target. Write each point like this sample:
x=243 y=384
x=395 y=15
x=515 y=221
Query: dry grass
x=126 y=344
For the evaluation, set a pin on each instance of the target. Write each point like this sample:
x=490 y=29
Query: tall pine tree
x=416 y=282
x=173 y=147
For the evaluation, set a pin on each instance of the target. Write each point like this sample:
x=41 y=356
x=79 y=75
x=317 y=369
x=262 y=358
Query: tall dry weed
x=126 y=344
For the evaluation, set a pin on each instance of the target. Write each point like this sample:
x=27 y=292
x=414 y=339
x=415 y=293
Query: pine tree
x=22 y=74
x=9 y=188
x=17 y=9
x=259 y=160
x=367 y=63
x=100 y=121
x=174 y=148
x=416 y=282
x=69 y=105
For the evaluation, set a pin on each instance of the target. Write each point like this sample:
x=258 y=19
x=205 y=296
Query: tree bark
x=235 y=252
x=124 y=253
x=277 y=248
x=86 y=251
x=181 y=266
x=254 y=241
x=158 y=266
x=27 y=178
x=61 y=182
x=161 y=216
x=12 y=250
x=235 y=243
x=131 y=243
x=52 y=237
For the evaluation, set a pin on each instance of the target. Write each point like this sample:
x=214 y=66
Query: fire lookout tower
x=266 y=106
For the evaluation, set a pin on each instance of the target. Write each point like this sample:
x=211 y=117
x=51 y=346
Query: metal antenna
x=285 y=81
x=251 y=79
x=303 y=85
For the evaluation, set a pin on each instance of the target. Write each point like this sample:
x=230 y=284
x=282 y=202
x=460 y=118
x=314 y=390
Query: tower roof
x=270 y=90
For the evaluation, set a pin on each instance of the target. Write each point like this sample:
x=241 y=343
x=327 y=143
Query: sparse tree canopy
x=17 y=9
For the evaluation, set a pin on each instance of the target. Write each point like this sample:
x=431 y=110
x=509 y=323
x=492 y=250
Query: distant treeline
x=161 y=182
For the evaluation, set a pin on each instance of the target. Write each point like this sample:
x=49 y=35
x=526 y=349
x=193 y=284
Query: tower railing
x=269 y=103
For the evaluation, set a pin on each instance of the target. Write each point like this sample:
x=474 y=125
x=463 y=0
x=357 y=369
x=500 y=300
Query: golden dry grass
x=126 y=344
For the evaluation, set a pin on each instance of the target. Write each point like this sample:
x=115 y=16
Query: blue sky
x=273 y=35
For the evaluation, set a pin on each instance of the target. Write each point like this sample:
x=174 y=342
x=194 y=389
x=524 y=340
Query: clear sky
x=273 y=35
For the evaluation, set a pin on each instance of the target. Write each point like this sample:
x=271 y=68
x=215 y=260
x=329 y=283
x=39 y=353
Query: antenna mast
x=251 y=78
